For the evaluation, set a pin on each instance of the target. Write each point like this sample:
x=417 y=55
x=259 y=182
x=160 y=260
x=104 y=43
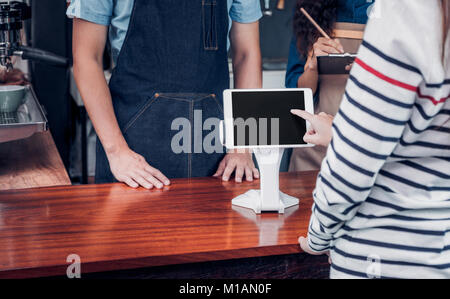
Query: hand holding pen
x=323 y=46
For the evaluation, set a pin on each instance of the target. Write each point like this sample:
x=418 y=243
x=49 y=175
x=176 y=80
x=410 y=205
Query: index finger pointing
x=303 y=114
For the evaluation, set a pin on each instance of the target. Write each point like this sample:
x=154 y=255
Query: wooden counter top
x=113 y=227
x=31 y=162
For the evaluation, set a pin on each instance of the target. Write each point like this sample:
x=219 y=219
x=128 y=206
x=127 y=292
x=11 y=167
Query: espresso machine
x=30 y=116
x=12 y=16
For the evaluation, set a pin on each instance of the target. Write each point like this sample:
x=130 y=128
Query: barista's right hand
x=132 y=169
x=323 y=46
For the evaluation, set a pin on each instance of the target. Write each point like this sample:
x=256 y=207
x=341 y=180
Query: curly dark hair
x=323 y=12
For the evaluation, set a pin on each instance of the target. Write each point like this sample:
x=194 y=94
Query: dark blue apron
x=172 y=65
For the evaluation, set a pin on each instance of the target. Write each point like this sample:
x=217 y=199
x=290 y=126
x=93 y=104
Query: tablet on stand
x=260 y=120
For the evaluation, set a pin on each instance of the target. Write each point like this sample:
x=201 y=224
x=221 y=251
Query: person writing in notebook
x=381 y=203
x=307 y=44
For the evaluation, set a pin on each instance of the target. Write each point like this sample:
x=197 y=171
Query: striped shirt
x=382 y=197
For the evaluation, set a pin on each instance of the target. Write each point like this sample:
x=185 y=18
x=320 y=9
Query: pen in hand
x=332 y=42
x=324 y=34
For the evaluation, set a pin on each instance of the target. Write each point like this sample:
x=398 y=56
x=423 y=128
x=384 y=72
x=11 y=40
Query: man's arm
x=246 y=53
x=89 y=41
x=247 y=74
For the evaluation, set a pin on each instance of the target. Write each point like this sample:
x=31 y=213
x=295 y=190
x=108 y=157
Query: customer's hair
x=324 y=12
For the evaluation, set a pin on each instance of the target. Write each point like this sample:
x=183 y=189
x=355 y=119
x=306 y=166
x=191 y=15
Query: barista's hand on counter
x=132 y=169
x=240 y=163
x=320 y=132
x=323 y=46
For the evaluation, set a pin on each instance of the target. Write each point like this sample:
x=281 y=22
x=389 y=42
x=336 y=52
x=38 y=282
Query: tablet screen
x=264 y=118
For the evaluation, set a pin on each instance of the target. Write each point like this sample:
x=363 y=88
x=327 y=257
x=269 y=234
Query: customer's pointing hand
x=320 y=132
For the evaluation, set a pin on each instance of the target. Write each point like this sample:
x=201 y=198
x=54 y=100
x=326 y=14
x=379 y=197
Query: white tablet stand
x=269 y=197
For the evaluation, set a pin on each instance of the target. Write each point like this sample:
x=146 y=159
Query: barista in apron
x=153 y=83
x=169 y=78
x=331 y=91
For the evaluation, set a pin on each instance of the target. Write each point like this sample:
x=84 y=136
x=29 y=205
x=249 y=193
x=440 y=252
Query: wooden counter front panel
x=114 y=227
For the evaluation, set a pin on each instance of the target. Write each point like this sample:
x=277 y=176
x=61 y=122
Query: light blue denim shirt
x=116 y=14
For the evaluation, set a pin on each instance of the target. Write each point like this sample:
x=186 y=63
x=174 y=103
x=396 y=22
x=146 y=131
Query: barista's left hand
x=240 y=163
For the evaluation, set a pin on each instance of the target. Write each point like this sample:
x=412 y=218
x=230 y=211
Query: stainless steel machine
x=12 y=16
x=30 y=118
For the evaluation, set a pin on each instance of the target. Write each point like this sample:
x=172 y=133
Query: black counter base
x=291 y=266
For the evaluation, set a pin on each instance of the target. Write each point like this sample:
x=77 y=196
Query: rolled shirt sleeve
x=245 y=11
x=95 y=11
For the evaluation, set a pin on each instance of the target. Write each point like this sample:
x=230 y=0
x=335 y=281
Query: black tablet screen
x=264 y=118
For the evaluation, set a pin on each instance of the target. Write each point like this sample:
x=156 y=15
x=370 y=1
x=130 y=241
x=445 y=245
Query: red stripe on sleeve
x=398 y=83
x=383 y=77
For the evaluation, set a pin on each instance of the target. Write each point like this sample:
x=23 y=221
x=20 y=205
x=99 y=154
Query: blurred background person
x=307 y=44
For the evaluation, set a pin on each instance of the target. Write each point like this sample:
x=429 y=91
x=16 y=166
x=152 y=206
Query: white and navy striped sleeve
x=377 y=104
